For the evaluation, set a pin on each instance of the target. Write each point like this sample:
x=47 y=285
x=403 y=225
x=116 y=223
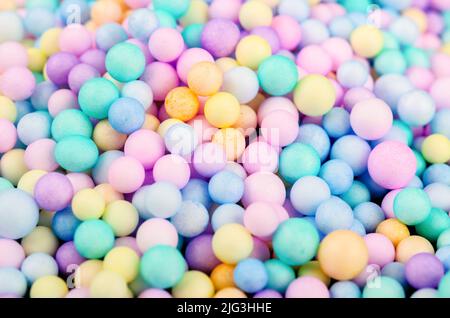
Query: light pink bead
x=279 y=128
x=162 y=78
x=189 y=58
x=173 y=169
x=17 y=83
x=261 y=219
x=387 y=205
x=166 y=44
x=156 y=231
x=226 y=9
x=371 y=119
x=260 y=156
x=12 y=54
x=61 y=100
x=82 y=292
x=288 y=31
x=339 y=51
x=128 y=241
x=126 y=174
x=441 y=93
x=277 y=103
x=263 y=187
x=11 y=253
x=307 y=287
x=146 y=146
x=75 y=39
x=8 y=135
x=420 y=77
x=80 y=181
x=208 y=159
x=155 y=293
x=314 y=59
x=381 y=249
x=40 y=155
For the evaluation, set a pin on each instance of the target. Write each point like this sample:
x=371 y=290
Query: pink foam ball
x=128 y=241
x=260 y=156
x=260 y=250
x=314 y=59
x=288 y=31
x=75 y=39
x=263 y=187
x=146 y=146
x=336 y=9
x=441 y=4
x=166 y=44
x=12 y=54
x=172 y=168
x=281 y=212
x=126 y=174
x=208 y=159
x=156 y=231
x=440 y=92
x=80 y=181
x=392 y=164
x=82 y=292
x=17 y=83
x=429 y=41
x=60 y=100
x=279 y=128
x=339 y=50
x=204 y=130
x=11 y=253
x=8 y=135
x=371 y=119
x=387 y=205
x=40 y=155
x=421 y=77
x=225 y=9
x=189 y=58
x=381 y=249
x=322 y=12
x=436 y=23
x=440 y=64
x=135 y=4
x=155 y=293
x=261 y=219
x=355 y=95
x=272 y=104
x=162 y=78
x=307 y=287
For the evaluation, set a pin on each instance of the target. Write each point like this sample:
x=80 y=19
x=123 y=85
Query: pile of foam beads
x=225 y=148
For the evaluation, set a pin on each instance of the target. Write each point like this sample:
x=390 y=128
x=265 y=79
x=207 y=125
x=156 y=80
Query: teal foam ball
x=76 y=153
x=125 y=62
x=298 y=160
x=71 y=122
x=412 y=206
x=94 y=239
x=278 y=75
x=383 y=287
x=96 y=96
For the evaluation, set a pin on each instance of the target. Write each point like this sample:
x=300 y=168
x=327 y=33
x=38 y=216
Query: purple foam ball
x=424 y=270
x=95 y=58
x=80 y=74
x=269 y=35
x=59 y=66
x=68 y=258
x=199 y=254
x=220 y=37
x=53 y=191
x=268 y=293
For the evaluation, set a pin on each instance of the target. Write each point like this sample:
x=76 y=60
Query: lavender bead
x=96 y=59
x=199 y=254
x=80 y=74
x=220 y=37
x=68 y=258
x=268 y=293
x=269 y=35
x=59 y=67
x=424 y=270
x=53 y=191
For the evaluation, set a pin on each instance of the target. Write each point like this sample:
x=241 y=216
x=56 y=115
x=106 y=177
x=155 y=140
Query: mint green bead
x=280 y=275
x=390 y=62
x=383 y=287
x=437 y=222
x=166 y=20
x=416 y=57
x=444 y=239
x=93 y=239
x=412 y=206
x=444 y=287
x=298 y=160
x=5 y=184
x=420 y=163
x=278 y=75
x=192 y=35
x=125 y=62
x=177 y=8
x=390 y=42
x=446 y=16
x=39 y=77
x=296 y=241
x=96 y=97
x=45 y=4
x=357 y=194
x=162 y=266
x=71 y=122
x=360 y=6
x=76 y=153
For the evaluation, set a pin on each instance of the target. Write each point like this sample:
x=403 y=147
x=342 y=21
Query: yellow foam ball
x=182 y=103
x=88 y=204
x=151 y=122
x=367 y=40
x=106 y=138
x=232 y=140
x=197 y=13
x=40 y=240
x=312 y=269
x=418 y=17
x=49 y=41
x=108 y=193
x=230 y=292
x=394 y=230
x=36 y=59
x=205 y=78
x=8 y=109
x=12 y=165
x=343 y=254
x=122 y=216
x=226 y=63
x=108 y=284
x=232 y=243
x=222 y=276
x=411 y=246
x=7 y=5
x=436 y=148
x=29 y=180
x=49 y=287
x=222 y=110
x=194 y=284
x=446 y=48
x=247 y=121
x=86 y=272
x=270 y=3
x=252 y=50
x=123 y=261
x=254 y=14
x=166 y=124
x=314 y=95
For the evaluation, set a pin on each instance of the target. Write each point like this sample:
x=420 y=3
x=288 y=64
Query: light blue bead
x=358 y=18
x=425 y=293
x=333 y=214
x=439 y=194
x=341 y=27
x=308 y=193
x=338 y=175
x=123 y=71
x=279 y=274
x=390 y=62
x=443 y=239
x=74 y=11
x=316 y=137
x=396 y=271
x=12 y=282
x=23 y=108
x=278 y=75
x=96 y=231
x=439 y=124
x=138 y=201
x=38 y=265
x=196 y=190
x=415 y=183
x=226 y=214
x=337 y=122
x=142 y=23
x=396 y=4
x=314 y=32
x=391 y=88
x=34 y=126
x=352 y=74
x=298 y=160
x=101 y=169
x=416 y=108
x=358 y=193
x=226 y=187
x=166 y=20
x=358 y=228
x=39 y=20
x=369 y=214
x=405 y=30
x=126 y=115
x=108 y=35
x=384 y=287
x=399 y=132
x=376 y=191
x=250 y=275
x=191 y=219
x=5 y=184
x=64 y=224
x=345 y=289
x=163 y=199
x=181 y=139
x=354 y=151
x=177 y=8
x=298 y=9
x=438 y=172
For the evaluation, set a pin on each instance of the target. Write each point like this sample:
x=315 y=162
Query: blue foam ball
x=334 y=214
x=352 y=73
x=101 y=168
x=337 y=122
x=39 y=20
x=142 y=23
x=163 y=199
x=23 y=108
x=250 y=275
x=316 y=137
x=345 y=289
x=308 y=193
x=75 y=11
x=354 y=151
x=398 y=132
x=341 y=27
x=196 y=190
x=357 y=18
x=439 y=172
x=139 y=203
x=416 y=108
x=126 y=115
x=191 y=219
x=34 y=126
x=108 y=35
x=38 y=265
x=338 y=175
x=226 y=214
x=181 y=139
x=64 y=224
x=439 y=124
x=443 y=254
x=12 y=282
x=391 y=88
x=369 y=214
x=405 y=30
x=396 y=271
x=415 y=183
x=376 y=191
x=41 y=94
x=298 y=9
x=226 y=187
x=439 y=195
x=358 y=193
x=314 y=32
x=390 y=61
x=358 y=228
x=280 y=275
x=425 y=293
